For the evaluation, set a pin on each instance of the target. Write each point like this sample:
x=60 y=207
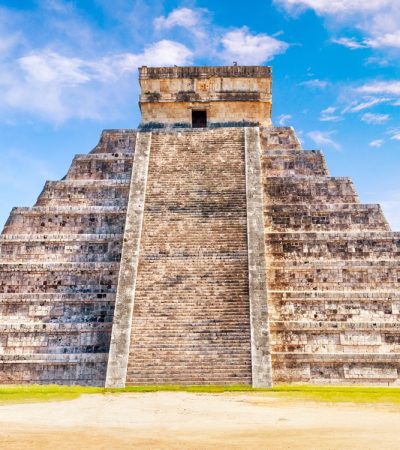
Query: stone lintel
x=260 y=340
x=122 y=323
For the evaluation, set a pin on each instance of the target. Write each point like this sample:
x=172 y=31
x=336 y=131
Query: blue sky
x=68 y=69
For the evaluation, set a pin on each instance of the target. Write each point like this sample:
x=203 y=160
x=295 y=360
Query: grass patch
x=43 y=393
x=339 y=394
x=331 y=394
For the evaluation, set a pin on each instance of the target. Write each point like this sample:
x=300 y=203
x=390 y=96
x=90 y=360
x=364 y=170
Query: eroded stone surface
x=331 y=273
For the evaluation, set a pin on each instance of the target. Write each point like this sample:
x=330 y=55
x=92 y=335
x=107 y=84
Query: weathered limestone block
x=66 y=220
x=101 y=166
x=285 y=163
x=324 y=217
x=326 y=246
x=272 y=138
x=85 y=193
x=294 y=190
x=116 y=142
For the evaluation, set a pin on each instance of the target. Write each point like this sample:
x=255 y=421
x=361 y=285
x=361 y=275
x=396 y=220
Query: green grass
x=331 y=394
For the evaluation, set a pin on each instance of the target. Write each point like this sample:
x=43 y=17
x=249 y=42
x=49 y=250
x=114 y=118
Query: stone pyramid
x=206 y=247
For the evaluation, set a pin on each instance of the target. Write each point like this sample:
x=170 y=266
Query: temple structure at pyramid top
x=204 y=247
x=187 y=97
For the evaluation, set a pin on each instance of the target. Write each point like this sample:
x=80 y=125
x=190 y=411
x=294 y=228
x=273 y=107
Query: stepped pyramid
x=206 y=247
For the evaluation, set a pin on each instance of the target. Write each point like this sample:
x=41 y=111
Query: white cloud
x=334 y=6
x=58 y=87
x=375 y=119
x=377 y=143
x=246 y=48
x=384 y=40
x=329 y=110
x=180 y=17
x=377 y=20
x=349 y=43
x=328 y=115
x=365 y=104
x=381 y=87
x=377 y=61
x=49 y=67
x=162 y=53
x=283 y=119
x=322 y=138
x=396 y=136
x=315 y=84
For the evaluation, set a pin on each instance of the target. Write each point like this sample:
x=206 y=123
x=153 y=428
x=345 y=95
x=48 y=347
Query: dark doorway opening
x=199 y=119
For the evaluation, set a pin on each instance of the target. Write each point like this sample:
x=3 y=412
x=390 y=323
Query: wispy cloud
x=375 y=119
x=381 y=87
x=315 y=84
x=323 y=138
x=394 y=134
x=350 y=43
x=384 y=40
x=357 y=106
x=283 y=119
x=328 y=115
x=334 y=7
x=377 y=143
x=377 y=20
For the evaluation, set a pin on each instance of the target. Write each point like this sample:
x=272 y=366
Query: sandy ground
x=166 y=420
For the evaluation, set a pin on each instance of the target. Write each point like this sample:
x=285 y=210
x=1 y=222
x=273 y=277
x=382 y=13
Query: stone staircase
x=333 y=276
x=191 y=312
x=59 y=264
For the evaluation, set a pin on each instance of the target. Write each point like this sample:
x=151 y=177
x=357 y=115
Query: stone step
x=100 y=166
x=59 y=277
x=334 y=275
x=33 y=371
x=368 y=327
x=50 y=298
x=277 y=163
x=276 y=138
x=351 y=358
x=350 y=307
x=337 y=368
x=71 y=358
x=37 y=329
x=74 y=220
x=312 y=189
x=324 y=217
x=116 y=141
x=56 y=308
x=325 y=246
x=84 y=192
x=60 y=248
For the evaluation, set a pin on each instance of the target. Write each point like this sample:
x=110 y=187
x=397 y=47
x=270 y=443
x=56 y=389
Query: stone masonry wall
x=333 y=275
x=332 y=268
x=59 y=263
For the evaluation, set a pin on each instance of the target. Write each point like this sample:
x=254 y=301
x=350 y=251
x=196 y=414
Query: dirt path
x=166 y=420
